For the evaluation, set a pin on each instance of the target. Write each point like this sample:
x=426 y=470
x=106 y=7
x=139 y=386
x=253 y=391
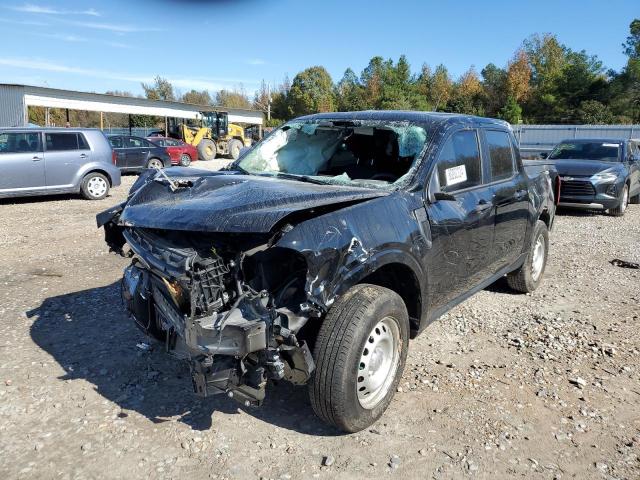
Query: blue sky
x=114 y=45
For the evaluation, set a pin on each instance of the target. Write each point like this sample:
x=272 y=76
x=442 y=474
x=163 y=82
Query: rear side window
x=116 y=142
x=134 y=142
x=459 y=164
x=20 y=142
x=58 y=142
x=82 y=142
x=500 y=155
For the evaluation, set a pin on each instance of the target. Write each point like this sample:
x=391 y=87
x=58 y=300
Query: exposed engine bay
x=210 y=305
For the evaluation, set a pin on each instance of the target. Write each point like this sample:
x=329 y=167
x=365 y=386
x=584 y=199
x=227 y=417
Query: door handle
x=83 y=155
x=36 y=158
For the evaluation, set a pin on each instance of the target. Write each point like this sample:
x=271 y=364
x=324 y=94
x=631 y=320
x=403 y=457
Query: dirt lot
x=538 y=386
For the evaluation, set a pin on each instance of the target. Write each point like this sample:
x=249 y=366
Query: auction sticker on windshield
x=456 y=175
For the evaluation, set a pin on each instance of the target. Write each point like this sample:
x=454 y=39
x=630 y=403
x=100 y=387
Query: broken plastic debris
x=616 y=262
x=145 y=347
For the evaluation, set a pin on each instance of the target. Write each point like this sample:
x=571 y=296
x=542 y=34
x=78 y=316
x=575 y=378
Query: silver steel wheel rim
x=155 y=164
x=537 y=262
x=625 y=199
x=185 y=160
x=96 y=186
x=378 y=363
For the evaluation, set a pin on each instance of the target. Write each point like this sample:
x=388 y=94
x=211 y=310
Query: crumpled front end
x=218 y=301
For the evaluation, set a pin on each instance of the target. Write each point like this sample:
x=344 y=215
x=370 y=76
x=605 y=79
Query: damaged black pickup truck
x=319 y=253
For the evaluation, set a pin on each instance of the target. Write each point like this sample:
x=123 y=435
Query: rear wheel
x=529 y=276
x=95 y=186
x=624 y=202
x=155 y=163
x=234 y=148
x=360 y=354
x=207 y=149
x=185 y=160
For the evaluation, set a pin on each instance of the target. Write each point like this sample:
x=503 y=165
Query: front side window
x=372 y=154
x=59 y=142
x=500 y=155
x=19 y=142
x=459 y=164
x=587 y=150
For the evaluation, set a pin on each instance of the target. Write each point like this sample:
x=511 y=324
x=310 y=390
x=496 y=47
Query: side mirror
x=444 y=196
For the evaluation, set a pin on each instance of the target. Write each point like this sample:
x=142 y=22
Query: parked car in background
x=600 y=174
x=135 y=154
x=316 y=255
x=181 y=153
x=46 y=161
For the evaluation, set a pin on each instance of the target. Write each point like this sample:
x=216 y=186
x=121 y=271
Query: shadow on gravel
x=48 y=198
x=91 y=337
x=577 y=212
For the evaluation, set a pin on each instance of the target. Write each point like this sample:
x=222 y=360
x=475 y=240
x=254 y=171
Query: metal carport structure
x=15 y=101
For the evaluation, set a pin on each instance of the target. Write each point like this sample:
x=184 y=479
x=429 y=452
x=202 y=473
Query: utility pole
x=268 y=102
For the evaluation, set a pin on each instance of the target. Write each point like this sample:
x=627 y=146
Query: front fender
x=343 y=247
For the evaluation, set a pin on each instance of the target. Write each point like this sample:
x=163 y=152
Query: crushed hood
x=229 y=202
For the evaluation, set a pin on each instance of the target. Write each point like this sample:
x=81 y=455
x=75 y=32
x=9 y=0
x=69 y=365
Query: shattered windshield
x=601 y=151
x=371 y=154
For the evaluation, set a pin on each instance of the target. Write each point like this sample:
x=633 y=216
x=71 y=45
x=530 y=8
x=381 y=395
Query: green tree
x=312 y=91
x=350 y=93
x=160 y=89
x=441 y=88
x=494 y=83
x=236 y=98
x=511 y=112
x=197 y=97
x=632 y=45
x=594 y=113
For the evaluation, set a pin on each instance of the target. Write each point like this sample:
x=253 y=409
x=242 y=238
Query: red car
x=181 y=153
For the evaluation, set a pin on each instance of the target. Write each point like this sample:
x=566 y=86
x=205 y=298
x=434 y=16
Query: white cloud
x=31 y=23
x=31 y=8
x=198 y=83
x=114 y=27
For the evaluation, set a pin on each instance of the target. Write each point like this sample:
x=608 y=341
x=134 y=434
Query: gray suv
x=47 y=161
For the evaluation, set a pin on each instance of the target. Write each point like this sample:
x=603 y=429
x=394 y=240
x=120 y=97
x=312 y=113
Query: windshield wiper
x=234 y=167
x=300 y=178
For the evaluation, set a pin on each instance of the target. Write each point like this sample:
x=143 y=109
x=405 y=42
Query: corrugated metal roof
x=101 y=102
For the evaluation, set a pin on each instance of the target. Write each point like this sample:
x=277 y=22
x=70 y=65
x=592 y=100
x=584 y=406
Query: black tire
x=340 y=347
x=154 y=161
x=206 y=149
x=635 y=200
x=624 y=203
x=185 y=160
x=95 y=186
x=525 y=279
x=234 y=148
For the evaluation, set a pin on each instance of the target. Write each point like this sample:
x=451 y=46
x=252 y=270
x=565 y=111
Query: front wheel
x=624 y=202
x=95 y=186
x=360 y=354
x=234 y=148
x=155 y=163
x=185 y=160
x=529 y=276
x=206 y=149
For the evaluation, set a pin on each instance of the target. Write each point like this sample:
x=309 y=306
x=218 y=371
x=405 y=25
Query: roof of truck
x=403 y=116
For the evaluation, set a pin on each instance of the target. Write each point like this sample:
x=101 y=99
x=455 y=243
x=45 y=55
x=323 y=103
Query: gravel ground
x=539 y=386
